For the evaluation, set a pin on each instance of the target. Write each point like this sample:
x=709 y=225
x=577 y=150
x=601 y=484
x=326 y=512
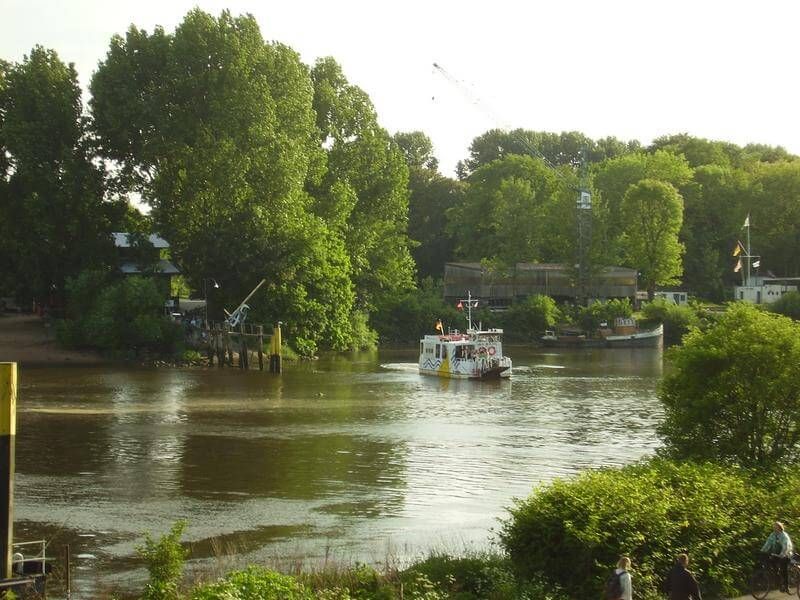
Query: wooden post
x=260 y=347
x=209 y=343
x=218 y=345
x=244 y=350
x=275 y=360
x=226 y=333
x=8 y=434
x=67 y=572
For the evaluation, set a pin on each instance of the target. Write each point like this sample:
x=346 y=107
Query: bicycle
x=767 y=577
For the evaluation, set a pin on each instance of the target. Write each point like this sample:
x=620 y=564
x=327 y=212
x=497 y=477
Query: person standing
x=618 y=586
x=780 y=550
x=681 y=583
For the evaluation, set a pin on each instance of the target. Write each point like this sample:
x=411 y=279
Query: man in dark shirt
x=680 y=583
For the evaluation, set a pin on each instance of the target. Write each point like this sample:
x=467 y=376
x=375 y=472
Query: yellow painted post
x=8 y=434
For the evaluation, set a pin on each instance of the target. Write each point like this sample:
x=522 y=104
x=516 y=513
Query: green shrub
x=363 y=338
x=120 y=317
x=787 y=305
x=528 y=320
x=256 y=582
x=677 y=320
x=164 y=558
x=478 y=577
x=404 y=319
x=572 y=532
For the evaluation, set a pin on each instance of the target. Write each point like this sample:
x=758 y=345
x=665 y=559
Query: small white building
x=679 y=297
x=765 y=290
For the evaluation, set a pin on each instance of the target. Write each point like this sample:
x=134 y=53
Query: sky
x=633 y=69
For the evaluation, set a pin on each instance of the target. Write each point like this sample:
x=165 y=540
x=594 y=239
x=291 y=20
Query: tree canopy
x=733 y=392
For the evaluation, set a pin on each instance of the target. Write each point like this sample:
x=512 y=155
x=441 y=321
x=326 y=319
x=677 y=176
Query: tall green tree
x=364 y=192
x=431 y=196
x=54 y=221
x=565 y=148
x=216 y=129
x=653 y=214
x=516 y=209
x=775 y=217
x=714 y=203
x=613 y=177
x=733 y=393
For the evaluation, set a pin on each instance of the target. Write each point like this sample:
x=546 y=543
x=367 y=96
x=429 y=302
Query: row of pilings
x=240 y=345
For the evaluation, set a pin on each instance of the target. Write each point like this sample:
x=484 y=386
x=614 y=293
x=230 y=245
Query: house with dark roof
x=146 y=256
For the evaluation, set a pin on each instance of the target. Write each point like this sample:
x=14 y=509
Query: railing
x=41 y=558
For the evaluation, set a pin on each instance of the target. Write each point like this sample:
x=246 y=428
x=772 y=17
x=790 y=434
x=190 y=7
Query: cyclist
x=779 y=548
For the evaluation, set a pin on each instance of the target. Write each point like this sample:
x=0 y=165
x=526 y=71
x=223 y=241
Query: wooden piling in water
x=8 y=431
x=260 y=347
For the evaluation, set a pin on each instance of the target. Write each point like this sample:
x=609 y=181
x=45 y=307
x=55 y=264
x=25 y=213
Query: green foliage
x=118 y=316
x=478 y=577
x=405 y=318
x=516 y=209
x=653 y=214
x=254 y=582
x=589 y=318
x=651 y=512
x=527 y=320
x=677 y=320
x=54 y=220
x=164 y=558
x=788 y=305
x=362 y=337
x=733 y=391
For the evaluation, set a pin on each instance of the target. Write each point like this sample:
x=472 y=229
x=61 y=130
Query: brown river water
x=347 y=458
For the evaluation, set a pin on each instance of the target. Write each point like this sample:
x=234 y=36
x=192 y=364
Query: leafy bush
x=255 y=582
x=404 y=319
x=677 y=320
x=788 y=305
x=529 y=319
x=122 y=316
x=478 y=577
x=164 y=558
x=733 y=393
x=572 y=532
x=363 y=338
x=588 y=318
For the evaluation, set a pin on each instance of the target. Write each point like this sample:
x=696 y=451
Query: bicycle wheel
x=760 y=584
x=794 y=579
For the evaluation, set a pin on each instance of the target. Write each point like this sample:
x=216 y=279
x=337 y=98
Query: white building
x=765 y=290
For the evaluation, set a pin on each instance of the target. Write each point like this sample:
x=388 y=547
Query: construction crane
x=239 y=315
x=584 y=201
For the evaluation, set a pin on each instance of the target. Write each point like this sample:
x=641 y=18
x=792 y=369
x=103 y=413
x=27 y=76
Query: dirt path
x=29 y=340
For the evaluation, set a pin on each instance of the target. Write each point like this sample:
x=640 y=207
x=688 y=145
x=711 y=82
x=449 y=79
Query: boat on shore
x=625 y=334
x=476 y=354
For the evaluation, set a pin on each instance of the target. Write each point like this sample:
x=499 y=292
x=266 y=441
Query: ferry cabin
x=474 y=355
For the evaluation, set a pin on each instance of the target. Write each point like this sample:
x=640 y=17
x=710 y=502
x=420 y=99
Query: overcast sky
x=634 y=69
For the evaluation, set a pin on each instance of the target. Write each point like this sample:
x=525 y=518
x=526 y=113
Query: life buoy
x=492 y=350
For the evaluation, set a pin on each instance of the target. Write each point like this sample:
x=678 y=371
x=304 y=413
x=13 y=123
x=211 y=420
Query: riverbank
x=30 y=341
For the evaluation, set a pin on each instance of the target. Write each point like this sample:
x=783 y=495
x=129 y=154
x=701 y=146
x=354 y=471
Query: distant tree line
x=255 y=165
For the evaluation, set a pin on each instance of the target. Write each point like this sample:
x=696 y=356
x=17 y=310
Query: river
x=350 y=457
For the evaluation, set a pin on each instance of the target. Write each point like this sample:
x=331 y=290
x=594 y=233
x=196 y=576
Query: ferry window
x=438 y=351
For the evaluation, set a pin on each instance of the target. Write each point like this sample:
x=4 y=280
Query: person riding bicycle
x=780 y=550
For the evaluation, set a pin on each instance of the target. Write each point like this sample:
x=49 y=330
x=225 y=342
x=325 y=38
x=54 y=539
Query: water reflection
x=346 y=454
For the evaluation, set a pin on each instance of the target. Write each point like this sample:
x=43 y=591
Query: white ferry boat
x=476 y=354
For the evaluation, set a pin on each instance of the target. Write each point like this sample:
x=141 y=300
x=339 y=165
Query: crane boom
x=584 y=201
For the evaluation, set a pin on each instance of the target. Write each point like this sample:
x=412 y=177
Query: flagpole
x=747 y=224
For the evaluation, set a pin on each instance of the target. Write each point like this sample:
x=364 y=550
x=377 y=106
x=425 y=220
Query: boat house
x=765 y=290
x=500 y=290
